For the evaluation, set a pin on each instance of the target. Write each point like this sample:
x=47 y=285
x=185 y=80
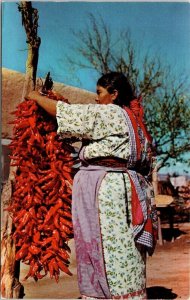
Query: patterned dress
x=110 y=264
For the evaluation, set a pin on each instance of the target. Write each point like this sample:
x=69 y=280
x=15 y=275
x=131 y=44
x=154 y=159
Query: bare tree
x=168 y=114
x=165 y=99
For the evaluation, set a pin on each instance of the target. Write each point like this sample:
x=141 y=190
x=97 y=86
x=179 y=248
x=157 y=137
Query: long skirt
x=109 y=265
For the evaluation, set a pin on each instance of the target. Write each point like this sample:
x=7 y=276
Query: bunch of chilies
x=41 y=198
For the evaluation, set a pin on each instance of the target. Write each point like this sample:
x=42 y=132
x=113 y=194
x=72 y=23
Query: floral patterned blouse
x=104 y=125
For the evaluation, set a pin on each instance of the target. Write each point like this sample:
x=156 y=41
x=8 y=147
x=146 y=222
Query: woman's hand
x=46 y=103
x=33 y=95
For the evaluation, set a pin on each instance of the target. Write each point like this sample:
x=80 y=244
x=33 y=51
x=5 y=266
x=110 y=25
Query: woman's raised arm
x=46 y=103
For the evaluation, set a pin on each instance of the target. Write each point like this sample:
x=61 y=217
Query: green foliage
x=167 y=116
x=165 y=99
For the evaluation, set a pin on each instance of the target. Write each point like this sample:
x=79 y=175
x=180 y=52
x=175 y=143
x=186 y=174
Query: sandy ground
x=167 y=272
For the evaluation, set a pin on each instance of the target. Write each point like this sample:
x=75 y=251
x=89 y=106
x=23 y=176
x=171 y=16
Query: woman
x=113 y=213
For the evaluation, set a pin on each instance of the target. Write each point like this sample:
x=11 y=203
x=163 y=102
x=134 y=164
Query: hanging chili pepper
x=41 y=208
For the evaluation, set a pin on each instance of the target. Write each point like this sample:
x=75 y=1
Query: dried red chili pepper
x=41 y=208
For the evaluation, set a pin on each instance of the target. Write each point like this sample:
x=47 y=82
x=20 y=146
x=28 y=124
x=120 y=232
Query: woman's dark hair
x=118 y=81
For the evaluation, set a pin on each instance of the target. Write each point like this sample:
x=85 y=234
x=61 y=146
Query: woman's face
x=103 y=97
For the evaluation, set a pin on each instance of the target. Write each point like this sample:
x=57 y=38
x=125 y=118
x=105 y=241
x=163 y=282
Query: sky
x=159 y=28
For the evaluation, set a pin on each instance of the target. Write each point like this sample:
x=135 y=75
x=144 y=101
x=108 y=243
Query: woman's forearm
x=46 y=103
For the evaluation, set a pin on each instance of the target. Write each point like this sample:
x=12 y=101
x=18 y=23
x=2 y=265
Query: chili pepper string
x=41 y=198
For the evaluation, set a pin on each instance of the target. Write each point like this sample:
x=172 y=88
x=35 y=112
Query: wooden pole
x=155 y=180
x=155 y=187
x=10 y=270
x=30 y=22
x=10 y=285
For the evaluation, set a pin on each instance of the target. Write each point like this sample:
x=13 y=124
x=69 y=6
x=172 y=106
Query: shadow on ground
x=160 y=292
x=168 y=234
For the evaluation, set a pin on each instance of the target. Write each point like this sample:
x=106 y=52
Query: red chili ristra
x=41 y=198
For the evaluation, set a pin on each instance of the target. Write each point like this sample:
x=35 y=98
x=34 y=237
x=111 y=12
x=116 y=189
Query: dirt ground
x=167 y=271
